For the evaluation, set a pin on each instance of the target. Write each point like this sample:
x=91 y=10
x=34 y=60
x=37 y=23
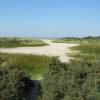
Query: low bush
x=54 y=82
x=78 y=80
x=11 y=85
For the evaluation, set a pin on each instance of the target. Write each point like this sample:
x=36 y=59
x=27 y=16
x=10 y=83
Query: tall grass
x=35 y=65
x=88 y=50
x=80 y=79
x=87 y=64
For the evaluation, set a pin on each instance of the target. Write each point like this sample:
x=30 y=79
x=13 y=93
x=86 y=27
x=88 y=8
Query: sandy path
x=53 y=49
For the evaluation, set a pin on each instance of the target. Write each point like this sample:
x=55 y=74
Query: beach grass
x=34 y=65
x=6 y=42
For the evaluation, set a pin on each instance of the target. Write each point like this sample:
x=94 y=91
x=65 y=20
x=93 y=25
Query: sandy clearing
x=53 y=49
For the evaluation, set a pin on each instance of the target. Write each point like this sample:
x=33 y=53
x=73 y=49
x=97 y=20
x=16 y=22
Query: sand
x=53 y=49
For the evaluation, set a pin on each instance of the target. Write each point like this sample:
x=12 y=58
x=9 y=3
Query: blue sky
x=49 y=18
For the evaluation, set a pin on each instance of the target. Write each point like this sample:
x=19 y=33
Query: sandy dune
x=53 y=49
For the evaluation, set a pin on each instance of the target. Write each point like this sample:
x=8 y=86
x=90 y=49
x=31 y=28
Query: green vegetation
x=11 y=81
x=77 y=80
x=17 y=72
x=68 y=40
x=89 y=49
x=33 y=64
x=20 y=42
x=77 y=40
x=53 y=85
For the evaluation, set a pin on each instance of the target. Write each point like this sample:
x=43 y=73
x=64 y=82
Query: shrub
x=11 y=84
x=54 y=83
x=78 y=80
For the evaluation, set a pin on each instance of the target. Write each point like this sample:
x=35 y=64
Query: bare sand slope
x=53 y=49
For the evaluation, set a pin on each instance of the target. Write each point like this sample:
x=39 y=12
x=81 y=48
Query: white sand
x=53 y=49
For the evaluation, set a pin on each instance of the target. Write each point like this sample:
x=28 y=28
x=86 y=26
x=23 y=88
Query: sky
x=49 y=18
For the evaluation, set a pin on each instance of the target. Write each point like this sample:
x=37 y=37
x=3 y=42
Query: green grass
x=20 y=42
x=86 y=70
x=90 y=50
x=34 y=65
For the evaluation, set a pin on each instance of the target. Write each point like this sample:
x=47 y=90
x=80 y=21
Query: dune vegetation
x=17 y=72
x=8 y=42
x=32 y=64
x=77 y=80
x=77 y=39
x=67 y=40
